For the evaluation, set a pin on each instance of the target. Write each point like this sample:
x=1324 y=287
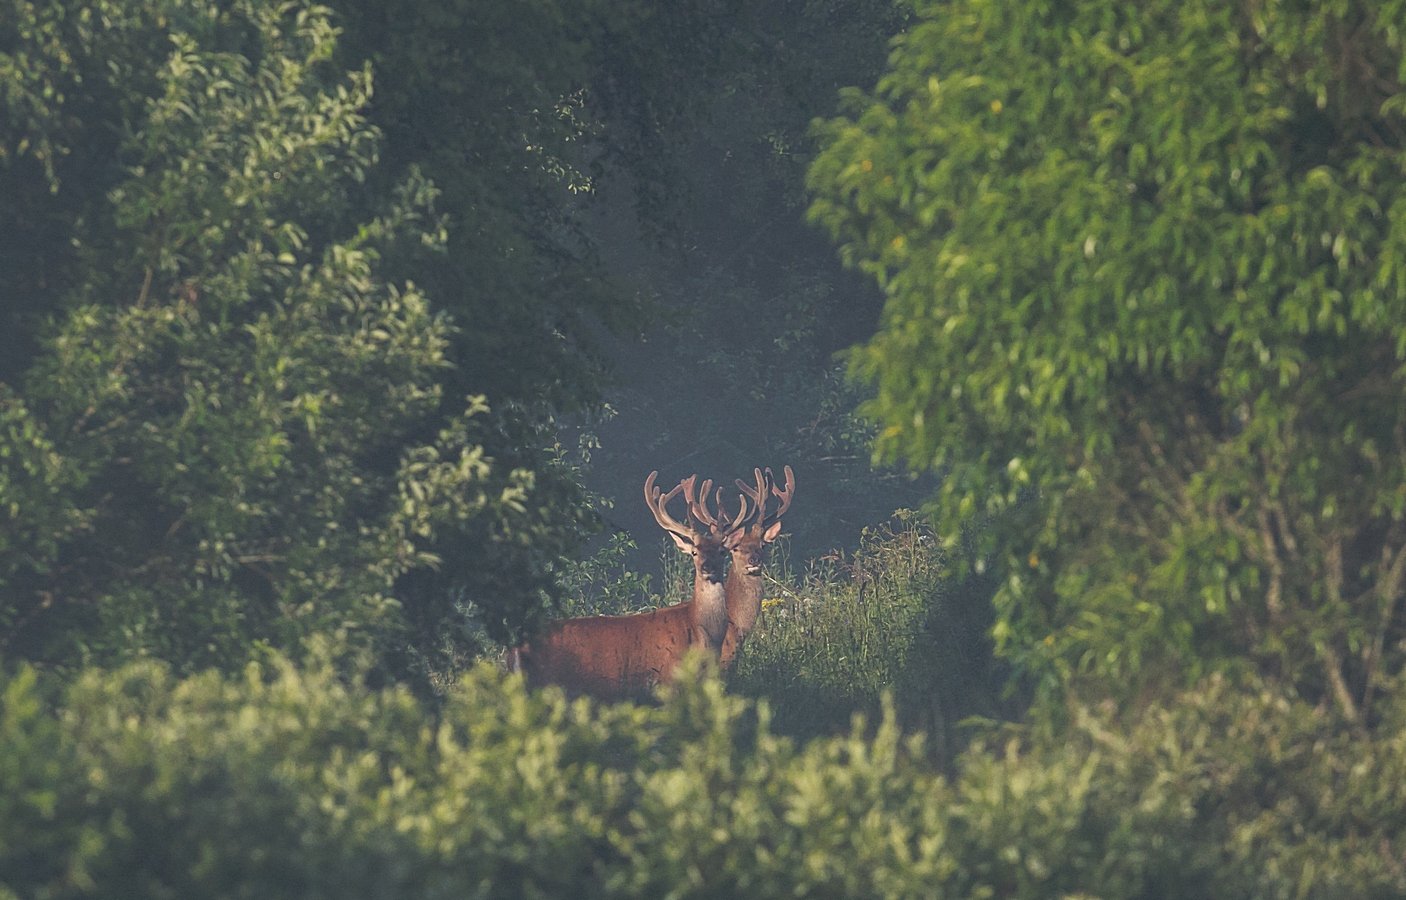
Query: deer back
x=615 y=657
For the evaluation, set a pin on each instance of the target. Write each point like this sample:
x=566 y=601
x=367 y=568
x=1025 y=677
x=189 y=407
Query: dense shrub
x=294 y=783
x=289 y=782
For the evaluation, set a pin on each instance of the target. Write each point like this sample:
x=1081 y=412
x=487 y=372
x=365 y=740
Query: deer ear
x=773 y=532
x=685 y=546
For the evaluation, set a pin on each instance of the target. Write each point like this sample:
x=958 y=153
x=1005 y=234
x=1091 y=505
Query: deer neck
x=744 y=599
x=710 y=610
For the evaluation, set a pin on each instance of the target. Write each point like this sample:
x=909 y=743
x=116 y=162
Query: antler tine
x=765 y=489
x=718 y=501
x=758 y=494
x=743 y=517
x=658 y=503
x=784 y=495
x=700 y=510
x=655 y=497
x=650 y=491
x=721 y=524
x=732 y=523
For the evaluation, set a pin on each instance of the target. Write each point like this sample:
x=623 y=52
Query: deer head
x=745 y=539
x=700 y=540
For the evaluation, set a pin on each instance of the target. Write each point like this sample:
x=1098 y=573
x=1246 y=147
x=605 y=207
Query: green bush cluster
x=290 y=782
x=295 y=782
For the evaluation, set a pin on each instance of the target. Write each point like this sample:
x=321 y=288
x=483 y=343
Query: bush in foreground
x=294 y=783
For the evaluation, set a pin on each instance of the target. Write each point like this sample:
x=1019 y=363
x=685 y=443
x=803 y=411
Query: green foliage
x=889 y=620
x=236 y=435
x=287 y=782
x=1226 y=791
x=1147 y=315
x=601 y=584
x=294 y=783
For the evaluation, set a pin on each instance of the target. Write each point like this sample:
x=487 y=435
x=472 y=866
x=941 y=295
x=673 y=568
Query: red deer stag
x=746 y=541
x=623 y=657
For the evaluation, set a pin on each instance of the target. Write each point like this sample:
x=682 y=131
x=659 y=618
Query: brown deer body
x=624 y=657
x=619 y=657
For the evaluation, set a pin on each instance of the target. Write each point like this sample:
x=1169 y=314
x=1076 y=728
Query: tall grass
x=889 y=618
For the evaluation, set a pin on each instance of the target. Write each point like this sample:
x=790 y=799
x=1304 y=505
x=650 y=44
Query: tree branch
x=1333 y=664
x=1388 y=590
x=1334 y=668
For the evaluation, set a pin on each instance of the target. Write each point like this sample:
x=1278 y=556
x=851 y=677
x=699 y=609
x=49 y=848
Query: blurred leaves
x=287 y=781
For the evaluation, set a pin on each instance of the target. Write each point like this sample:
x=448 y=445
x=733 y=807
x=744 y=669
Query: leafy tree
x=1145 y=270
x=235 y=434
